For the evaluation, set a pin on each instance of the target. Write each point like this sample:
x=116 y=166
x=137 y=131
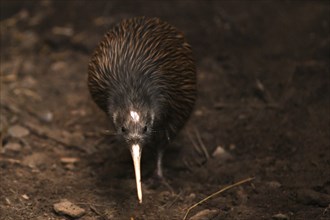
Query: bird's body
x=142 y=75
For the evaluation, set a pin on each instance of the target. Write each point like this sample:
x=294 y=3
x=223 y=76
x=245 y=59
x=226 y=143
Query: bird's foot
x=157 y=181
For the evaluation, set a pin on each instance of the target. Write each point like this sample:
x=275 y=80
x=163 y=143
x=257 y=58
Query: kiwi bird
x=143 y=76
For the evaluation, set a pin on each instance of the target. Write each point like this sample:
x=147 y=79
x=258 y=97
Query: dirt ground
x=263 y=111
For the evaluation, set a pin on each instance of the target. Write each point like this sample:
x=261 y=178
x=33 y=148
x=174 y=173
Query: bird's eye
x=123 y=129
x=145 y=129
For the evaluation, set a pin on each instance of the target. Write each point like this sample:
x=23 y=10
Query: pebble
x=221 y=153
x=58 y=66
x=205 y=214
x=7 y=201
x=198 y=112
x=191 y=196
x=218 y=151
x=46 y=116
x=13 y=147
x=280 y=216
x=66 y=207
x=68 y=160
x=18 y=131
x=26 y=197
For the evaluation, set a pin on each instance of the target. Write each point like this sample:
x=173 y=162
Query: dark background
x=263 y=78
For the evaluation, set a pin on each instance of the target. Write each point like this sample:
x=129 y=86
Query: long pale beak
x=136 y=155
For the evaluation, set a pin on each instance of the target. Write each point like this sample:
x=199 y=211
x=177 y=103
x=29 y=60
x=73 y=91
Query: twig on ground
x=216 y=193
x=170 y=204
x=10 y=160
x=97 y=212
x=222 y=105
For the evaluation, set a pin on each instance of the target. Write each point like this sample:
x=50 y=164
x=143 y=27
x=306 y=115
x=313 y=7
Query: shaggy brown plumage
x=144 y=67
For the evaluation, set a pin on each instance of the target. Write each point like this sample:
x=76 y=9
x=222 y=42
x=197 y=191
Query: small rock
x=46 y=116
x=311 y=197
x=280 y=216
x=13 y=147
x=221 y=153
x=68 y=160
x=18 y=131
x=66 y=207
x=58 y=66
x=205 y=214
x=198 y=112
x=78 y=112
x=26 y=197
x=191 y=196
x=218 y=151
x=70 y=166
x=7 y=201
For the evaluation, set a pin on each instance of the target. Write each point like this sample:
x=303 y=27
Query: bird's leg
x=160 y=154
x=159 y=168
x=158 y=176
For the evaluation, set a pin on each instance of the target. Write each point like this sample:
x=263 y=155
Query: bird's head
x=135 y=127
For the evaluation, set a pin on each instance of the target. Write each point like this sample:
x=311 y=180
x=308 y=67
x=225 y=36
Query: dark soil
x=264 y=99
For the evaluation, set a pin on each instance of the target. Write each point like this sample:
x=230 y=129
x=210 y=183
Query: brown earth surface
x=263 y=111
